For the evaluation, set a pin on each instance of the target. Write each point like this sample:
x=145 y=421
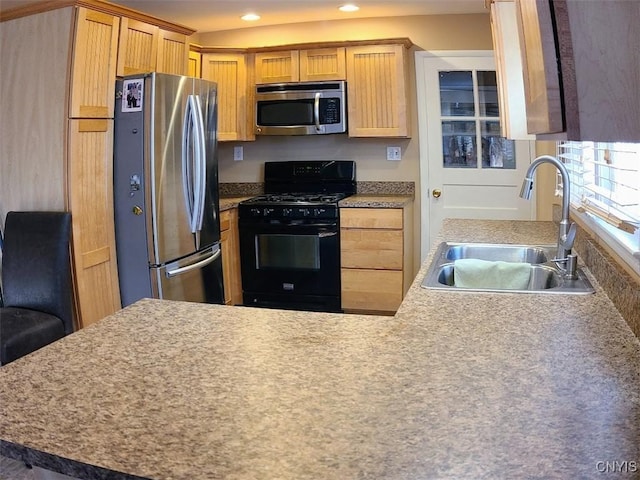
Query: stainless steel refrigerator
x=166 y=189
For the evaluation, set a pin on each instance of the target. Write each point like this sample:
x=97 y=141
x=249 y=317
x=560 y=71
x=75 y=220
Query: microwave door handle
x=316 y=111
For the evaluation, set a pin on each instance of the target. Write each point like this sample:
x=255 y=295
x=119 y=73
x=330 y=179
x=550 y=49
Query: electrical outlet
x=394 y=153
x=238 y=154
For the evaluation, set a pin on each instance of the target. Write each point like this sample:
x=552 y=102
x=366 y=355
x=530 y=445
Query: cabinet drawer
x=371 y=289
x=371 y=218
x=369 y=248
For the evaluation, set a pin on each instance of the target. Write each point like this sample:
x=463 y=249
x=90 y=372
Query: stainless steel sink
x=546 y=276
x=504 y=252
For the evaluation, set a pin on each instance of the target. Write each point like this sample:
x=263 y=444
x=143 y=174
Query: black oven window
x=299 y=252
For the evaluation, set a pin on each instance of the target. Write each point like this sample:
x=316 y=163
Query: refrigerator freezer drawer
x=196 y=278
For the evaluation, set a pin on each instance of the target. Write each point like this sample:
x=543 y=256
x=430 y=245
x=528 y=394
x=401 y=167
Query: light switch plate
x=394 y=153
x=238 y=154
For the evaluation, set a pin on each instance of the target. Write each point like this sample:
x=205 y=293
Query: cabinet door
x=235 y=105
x=369 y=248
x=277 y=67
x=371 y=290
x=230 y=257
x=387 y=218
x=376 y=84
x=173 y=53
x=90 y=184
x=195 y=64
x=506 y=48
x=540 y=67
x=94 y=64
x=323 y=64
x=138 y=48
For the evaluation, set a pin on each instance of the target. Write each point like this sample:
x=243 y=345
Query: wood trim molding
x=98 y=5
x=406 y=42
x=347 y=43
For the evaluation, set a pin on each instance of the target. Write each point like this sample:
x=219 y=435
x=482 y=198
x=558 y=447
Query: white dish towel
x=473 y=273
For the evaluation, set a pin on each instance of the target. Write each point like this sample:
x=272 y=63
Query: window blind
x=605 y=180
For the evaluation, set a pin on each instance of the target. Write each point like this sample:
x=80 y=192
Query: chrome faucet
x=567 y=230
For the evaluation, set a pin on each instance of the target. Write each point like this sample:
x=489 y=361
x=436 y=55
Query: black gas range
x=290 y=236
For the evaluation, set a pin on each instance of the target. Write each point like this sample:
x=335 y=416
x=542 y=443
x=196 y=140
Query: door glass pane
x=279 y=251
x=487 y=94
x=459 y=144
x=497 y=151
x=456 y=94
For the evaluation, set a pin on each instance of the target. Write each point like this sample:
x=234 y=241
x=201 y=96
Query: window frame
x=625 y=244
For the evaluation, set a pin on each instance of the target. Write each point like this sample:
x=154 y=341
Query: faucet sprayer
x=567 y=230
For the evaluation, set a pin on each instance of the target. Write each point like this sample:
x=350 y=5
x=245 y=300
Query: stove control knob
x=286 y=212
x=255 y=212
x=318 y=212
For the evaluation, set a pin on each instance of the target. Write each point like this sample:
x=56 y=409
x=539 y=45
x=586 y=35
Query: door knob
x=436 y=193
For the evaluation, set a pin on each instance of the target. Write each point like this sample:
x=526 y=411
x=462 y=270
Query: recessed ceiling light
x=349 y=7
x=250 y=17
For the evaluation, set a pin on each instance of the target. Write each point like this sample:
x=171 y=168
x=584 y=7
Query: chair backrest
x=36 y=266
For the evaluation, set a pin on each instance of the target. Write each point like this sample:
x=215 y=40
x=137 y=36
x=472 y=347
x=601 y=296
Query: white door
x=467 y=170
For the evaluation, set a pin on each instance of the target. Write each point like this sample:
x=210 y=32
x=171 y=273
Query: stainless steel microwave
x=303 y=108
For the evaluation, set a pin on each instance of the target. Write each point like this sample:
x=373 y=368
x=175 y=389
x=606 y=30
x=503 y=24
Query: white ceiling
x=214 y=15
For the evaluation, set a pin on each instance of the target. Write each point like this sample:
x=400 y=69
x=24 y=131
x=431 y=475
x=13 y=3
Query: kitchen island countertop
x=455 y=385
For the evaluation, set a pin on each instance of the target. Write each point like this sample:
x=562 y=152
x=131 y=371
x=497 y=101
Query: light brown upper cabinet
x=581 y=69
x=235 y=104
x=320 y=64
x=506 y=47
x=94 y=64
x=378 y=105
x=138 y=49
x=195 y=64
x=315 y=64
x=147 y=48
x=173 y=53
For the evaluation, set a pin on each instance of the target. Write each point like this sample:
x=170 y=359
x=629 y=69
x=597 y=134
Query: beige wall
x=437 y=32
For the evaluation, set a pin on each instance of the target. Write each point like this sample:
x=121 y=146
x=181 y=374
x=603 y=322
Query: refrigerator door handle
x=192 y=162
x=187 y=185
x=194 y=266
x=201 y=165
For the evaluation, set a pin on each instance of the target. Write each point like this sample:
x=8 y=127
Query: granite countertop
x=358 y=200
x=376 y=201
x=227 y=203
x=456 y=385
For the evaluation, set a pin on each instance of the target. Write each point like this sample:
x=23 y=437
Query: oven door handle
x=327 y=234
x=288 y=228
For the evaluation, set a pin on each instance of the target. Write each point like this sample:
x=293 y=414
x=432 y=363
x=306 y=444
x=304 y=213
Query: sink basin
x=505 y=253
x=545 y=277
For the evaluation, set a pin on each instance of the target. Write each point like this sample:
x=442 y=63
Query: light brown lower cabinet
x=230 y=246
x=375 y=258
x=91 y=204
x=371 y=290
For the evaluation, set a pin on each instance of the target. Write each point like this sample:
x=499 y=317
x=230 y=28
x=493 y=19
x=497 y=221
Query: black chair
x=36 y=282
